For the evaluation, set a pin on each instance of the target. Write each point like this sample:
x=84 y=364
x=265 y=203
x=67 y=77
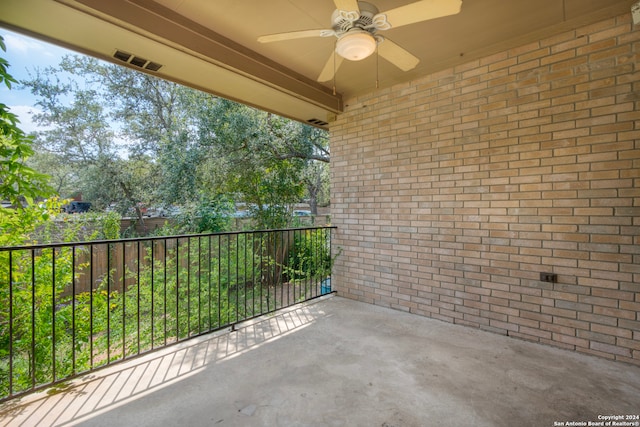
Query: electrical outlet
x=548 y=277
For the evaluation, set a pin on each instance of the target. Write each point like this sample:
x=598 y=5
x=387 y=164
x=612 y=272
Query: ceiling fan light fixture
x=356 y=45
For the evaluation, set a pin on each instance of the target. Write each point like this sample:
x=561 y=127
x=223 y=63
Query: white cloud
x=25 y=115
x=26 y=46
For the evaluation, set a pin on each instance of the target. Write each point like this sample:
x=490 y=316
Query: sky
x=25 y=55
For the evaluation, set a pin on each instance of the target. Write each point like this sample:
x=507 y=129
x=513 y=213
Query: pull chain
x=334 y=72
x=377 y=68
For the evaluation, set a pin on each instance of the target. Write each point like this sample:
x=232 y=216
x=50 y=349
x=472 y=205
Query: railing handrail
x=154 y=238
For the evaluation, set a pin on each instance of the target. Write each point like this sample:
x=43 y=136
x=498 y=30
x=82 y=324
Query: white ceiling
x=212 y=44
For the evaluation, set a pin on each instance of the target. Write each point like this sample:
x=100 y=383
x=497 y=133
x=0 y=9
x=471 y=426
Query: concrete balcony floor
x=336 y=362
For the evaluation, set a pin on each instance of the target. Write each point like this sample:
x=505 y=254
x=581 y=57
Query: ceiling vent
x=317 y=122
x=136 y=61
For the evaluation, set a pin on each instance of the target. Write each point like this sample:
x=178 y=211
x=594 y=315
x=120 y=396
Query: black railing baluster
x=280 y=260
x=229 y=281
x=73 y=310
x=253 y=274
x=260 y=271
x=91 y=282
x=268 y=277
x=285 y=251
x=209 y=283
x=10 y=302
x=228 y=298
x=307 y=277
x=177 y=289
x=199 y=285
x=108 y=305
x=237 y=277
x=330 y=257
x=244 y=274
x=188 y=287
x=314 y=251
x=33 y=319
x=314 y=262
x=123 y=280
x=164 y=270
x=276 y=270
x=53 y=313
x=291 y=263
x=291 y=289
x=219 y=238
x=138 y=298
x=153 y=291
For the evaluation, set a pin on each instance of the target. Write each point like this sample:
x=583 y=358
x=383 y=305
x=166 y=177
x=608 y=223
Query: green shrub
x=310 y=256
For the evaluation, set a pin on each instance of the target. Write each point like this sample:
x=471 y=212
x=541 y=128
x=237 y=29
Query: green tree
x=293 y=140
x=79 y=135
x=155 y=117
x=63 y=177
x=183 y=147
x=315 y=177
x=18 y=182
x=238 y=137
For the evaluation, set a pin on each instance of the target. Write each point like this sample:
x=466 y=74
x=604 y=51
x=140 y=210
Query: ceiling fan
x=356 y=25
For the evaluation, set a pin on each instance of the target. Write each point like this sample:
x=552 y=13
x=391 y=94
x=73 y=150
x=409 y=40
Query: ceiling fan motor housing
x=342 y=21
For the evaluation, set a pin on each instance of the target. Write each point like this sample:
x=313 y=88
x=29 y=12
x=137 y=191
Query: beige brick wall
x=453 y=192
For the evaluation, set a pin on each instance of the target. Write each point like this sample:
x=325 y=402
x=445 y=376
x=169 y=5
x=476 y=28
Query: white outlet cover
x=635 y=13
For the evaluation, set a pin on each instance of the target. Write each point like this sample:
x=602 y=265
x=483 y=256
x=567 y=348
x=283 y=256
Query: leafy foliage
x=78 y=135
x=311 y=257
x=173 y=145
x=18 y=182
x=206 y=216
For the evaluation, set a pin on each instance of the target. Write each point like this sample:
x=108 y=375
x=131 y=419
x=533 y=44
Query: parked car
x=76 y=207
x=301 y=213
x=241 y=214
x=170 y=211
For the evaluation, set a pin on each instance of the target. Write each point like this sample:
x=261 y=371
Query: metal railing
x=67 y=309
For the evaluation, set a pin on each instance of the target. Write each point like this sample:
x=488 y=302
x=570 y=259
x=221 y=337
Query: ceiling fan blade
x=347 y=5
x=397 y=55
x=421 y=11
x=295 y=35
x=330 y=69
